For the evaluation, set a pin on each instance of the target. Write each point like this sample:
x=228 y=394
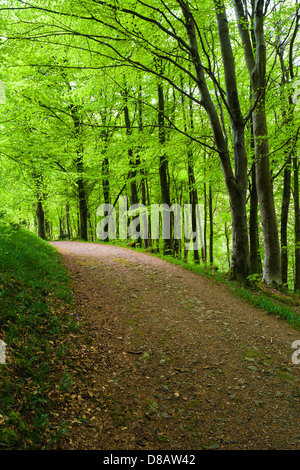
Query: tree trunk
x=204 y=250
x=83 y=209
x=163 y=165
x=287 y=114
x=69 y=235
x=40 y=197
x=48 y=229
x=236 y=183
x=227 y=244
x=284 y=222
x=142 y=172
x=295 y=163
x=61 y=229
x=211 y=227
x=105 y=180
x=132 y=163
x=240 y=251
x=193 y=196
x=40 y=220
x=255 y=260
x=256 y=64
x=297 y=223
x=80 y=182
x=90 y=226
x=272 y=265
x=134 y=199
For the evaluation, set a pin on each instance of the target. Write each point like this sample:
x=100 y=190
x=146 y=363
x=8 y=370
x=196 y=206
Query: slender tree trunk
x=83 y=209
x=227 y=243
x=211 y=227
x=193 y=201
x=40 y=197
x=256 y=64
x=163 y=165
x=61 y=229
x=80 y=182
x=287 y=114
x=284 y=222
x=40 y=215
x=255 y=261
x=142 y=172
x=69 y=235
x=134 y=199
x=105 y=169
x=90 y=227
x=295 y=162
x=132 y=162
x=297 y=222
x=193 y=196
x=48 y=229
x=105 y=180
x=150 y=243
x=82 y=197
x=204 y=256
x=236 y=182
x=272 y=265
x=78 y=223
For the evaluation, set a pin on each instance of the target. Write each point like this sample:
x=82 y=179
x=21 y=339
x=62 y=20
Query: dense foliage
x=163 y=102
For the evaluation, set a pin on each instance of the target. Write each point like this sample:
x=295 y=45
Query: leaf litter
x=180 y=365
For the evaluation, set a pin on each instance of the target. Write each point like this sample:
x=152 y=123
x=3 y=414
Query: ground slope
x=174 y=360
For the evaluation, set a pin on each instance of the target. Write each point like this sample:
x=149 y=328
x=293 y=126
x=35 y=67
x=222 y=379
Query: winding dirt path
x=174 y=361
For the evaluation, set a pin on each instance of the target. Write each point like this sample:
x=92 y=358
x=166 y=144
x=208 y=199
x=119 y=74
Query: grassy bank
x=35 y=299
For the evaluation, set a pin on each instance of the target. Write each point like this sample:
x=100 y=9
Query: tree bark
x=193 y=195
x=40 y=197
x=105 y=180
x=80 y=182
x=163 y=164
x=283 y=223
x=255 y=260
x=83 y=209
x=272 y=265
x=69 y=234
x=297 y=223
x=204 y=250
x=236 y=182
x=142 y=171
x=256 y=64
x=211 y=227
x=40 y=214
x=132 y=162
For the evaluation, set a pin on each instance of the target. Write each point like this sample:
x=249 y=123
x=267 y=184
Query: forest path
x=174 y=361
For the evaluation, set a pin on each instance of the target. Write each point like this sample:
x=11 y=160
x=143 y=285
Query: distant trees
x=139 y=97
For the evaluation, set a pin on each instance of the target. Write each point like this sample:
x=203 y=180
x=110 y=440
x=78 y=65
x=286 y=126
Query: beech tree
x=161 y=90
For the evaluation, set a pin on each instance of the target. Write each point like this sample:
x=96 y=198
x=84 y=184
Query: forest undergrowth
x=34 y=298
x=37 y=326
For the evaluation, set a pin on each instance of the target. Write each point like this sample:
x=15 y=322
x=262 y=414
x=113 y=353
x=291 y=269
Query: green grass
x=271 y=305
x=34 y=295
